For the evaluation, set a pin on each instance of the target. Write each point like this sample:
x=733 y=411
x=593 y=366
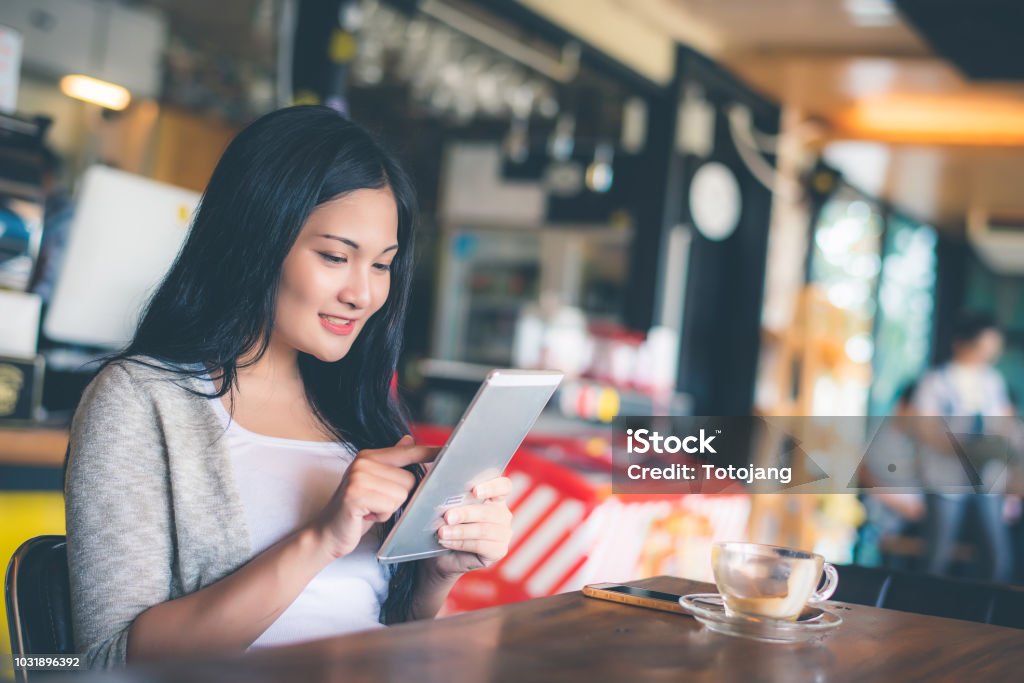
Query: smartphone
x=630 y=595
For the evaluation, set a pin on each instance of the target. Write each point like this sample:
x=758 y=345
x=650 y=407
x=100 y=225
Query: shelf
x=497 y=302
x=631 y=402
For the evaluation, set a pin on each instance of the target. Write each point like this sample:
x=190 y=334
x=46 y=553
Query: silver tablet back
x=482 y=444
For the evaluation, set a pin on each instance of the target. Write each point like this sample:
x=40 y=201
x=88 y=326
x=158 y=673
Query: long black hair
x=216 y=305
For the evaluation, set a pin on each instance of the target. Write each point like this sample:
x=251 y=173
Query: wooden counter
x=33 y=446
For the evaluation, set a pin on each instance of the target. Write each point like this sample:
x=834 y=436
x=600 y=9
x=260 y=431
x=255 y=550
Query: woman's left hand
x=478 y=535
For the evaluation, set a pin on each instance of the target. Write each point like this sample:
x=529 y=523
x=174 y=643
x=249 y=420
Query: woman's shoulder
x=129 y=372
x=137 y=381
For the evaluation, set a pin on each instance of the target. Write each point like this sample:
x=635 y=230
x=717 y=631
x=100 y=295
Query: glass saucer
x=708 y=609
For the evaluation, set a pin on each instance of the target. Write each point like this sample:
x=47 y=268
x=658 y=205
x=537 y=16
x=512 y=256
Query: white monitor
x=124 y=235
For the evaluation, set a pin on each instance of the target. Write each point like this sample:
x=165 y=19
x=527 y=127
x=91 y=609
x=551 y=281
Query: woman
x=231 y=473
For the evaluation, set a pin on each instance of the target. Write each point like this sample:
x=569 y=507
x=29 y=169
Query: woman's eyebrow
x=353 y=244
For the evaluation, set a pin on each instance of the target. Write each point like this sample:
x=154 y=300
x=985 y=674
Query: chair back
x=862 y=585
x=38 y=593
x=939 y=596
x=1008 y=608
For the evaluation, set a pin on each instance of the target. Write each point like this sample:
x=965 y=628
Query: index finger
x=496 y=488
x=400 y=456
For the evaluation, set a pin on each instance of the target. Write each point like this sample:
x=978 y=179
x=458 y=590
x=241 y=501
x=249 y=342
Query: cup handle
x=831 y=583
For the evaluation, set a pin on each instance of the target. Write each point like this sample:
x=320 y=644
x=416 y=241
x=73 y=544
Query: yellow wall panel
x=24 y=514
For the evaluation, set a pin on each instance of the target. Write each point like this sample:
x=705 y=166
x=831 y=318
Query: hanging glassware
x=599 y=173
x=562 y=140
x=517 y=141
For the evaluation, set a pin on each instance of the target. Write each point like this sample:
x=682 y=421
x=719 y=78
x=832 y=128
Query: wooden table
x=572 y=638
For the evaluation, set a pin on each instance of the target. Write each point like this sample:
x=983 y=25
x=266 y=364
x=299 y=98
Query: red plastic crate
x=549 y=503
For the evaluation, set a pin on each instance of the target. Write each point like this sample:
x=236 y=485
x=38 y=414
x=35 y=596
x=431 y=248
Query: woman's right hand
x=374 y=486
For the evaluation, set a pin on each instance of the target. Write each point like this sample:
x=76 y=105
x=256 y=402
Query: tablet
x=482 y=444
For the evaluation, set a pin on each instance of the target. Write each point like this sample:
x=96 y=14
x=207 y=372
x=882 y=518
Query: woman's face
x=337 y=274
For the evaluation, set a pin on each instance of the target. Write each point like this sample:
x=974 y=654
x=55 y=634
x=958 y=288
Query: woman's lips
x=338 y=326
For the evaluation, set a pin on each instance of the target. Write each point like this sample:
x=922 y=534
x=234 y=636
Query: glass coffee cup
x=769 y=582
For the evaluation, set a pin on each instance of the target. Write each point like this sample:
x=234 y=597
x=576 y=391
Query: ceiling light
x=934 y=118
x=870 y=12
x=108 y=95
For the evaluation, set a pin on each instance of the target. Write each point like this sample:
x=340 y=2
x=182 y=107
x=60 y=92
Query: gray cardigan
x=151 y=504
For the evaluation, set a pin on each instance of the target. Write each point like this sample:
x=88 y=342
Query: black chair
x=1008 y=607
x=862 y=585
x=38 y=594
x=940 y=597
x=988 y=603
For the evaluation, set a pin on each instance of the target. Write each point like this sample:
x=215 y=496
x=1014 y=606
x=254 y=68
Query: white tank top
x=283 y=484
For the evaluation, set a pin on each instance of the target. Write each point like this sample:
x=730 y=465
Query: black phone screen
x=643 y=593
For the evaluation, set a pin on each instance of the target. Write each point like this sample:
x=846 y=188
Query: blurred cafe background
x=692 y=207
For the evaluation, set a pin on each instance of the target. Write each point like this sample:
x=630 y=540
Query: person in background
x=971 y=394
x=891 y=462
x=232 y=472
x=1013 y=506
